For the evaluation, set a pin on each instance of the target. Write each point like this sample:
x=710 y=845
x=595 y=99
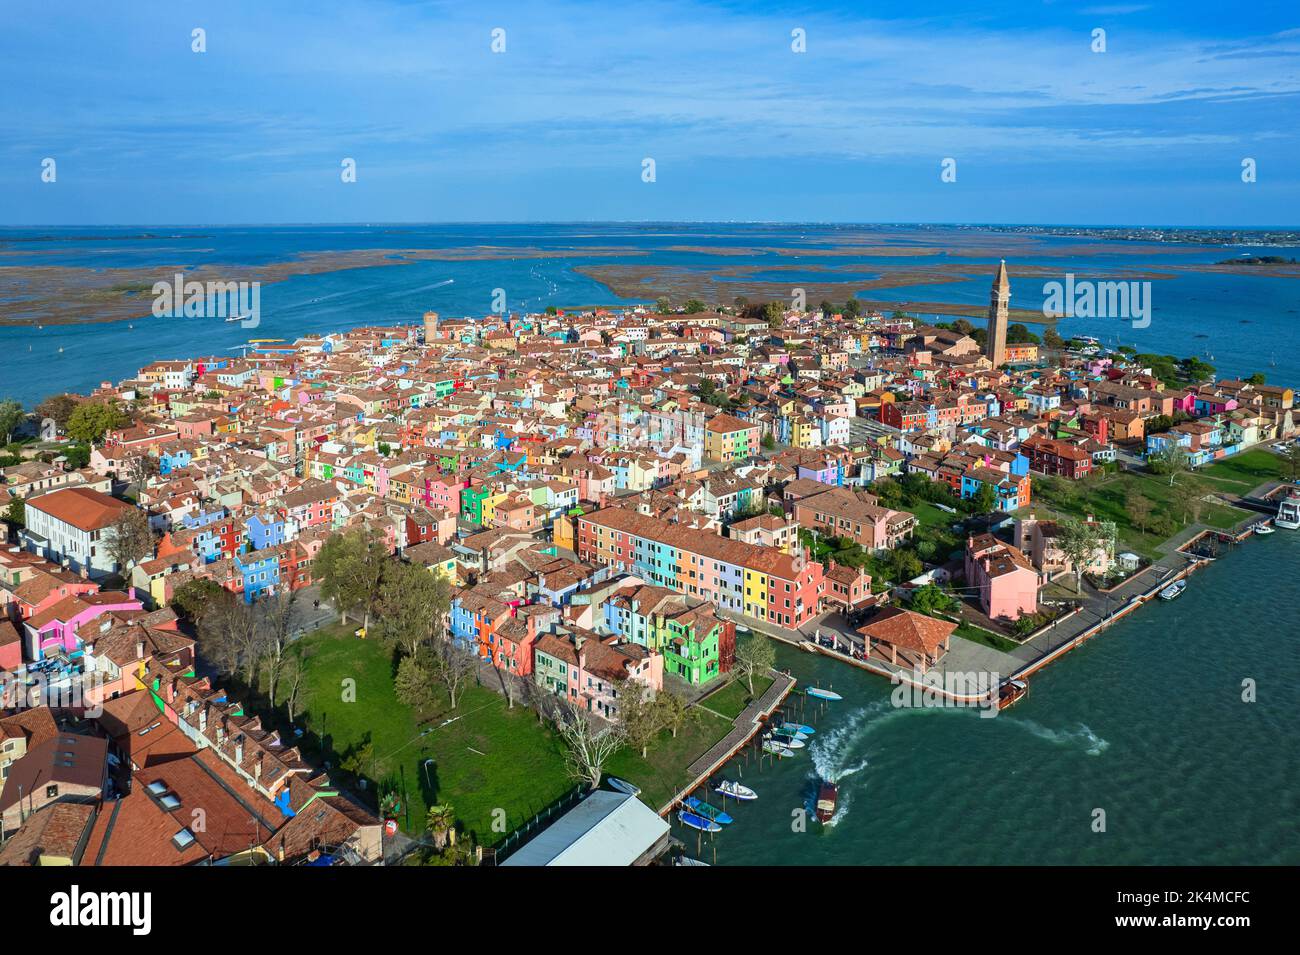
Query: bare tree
x=129 y=539
x=755 y=656
x=638 y=714
x=587 y=747
x=294 y=673
x=232 y=640
x=454 y=666
x=277 y=621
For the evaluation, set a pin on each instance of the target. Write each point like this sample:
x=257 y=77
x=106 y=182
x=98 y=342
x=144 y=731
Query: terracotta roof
x=81 y=507
x=908 y=630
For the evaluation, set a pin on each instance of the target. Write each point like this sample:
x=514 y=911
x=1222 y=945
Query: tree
x=694 y=306
x=441 y=820
x=1079 y=543
x=350 y=567
x=231 y=640
x=453 y=666
x=91 y=420
x=1188 y=496
x=294 y=675
x=638 y=714
x=903 y=564
x=663 y=305
x=768 y=442
x=414 y=681
x=587 y=747
x=1256 y=379
x=1139 y=508
x=195 y=598
x=985 y=500
x=277 y=619
x=1292 y=458
x=931 y=599
x=16 y=512
x=59 y=408
x=11 y=416
x=129 y=539
x=1171 y=459
x=140 y=469
x=1052 y=338
x=755 y=655
x=413 y=605
x=674 y=712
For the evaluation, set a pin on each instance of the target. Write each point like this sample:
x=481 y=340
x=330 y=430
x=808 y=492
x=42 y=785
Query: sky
x=558 y=124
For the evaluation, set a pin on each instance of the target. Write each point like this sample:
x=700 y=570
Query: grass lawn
x=1105 y=498
x=663 y=772
x=491 y=757
x=1245 y=472
x=985 y=637
x=732 y=699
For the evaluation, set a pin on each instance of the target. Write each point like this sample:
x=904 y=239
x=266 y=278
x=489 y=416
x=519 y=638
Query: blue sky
x=1154 y=130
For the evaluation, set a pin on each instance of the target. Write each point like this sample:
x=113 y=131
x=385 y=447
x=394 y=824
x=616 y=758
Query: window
x=52 y=792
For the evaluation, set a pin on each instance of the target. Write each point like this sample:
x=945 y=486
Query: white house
x=67 y=526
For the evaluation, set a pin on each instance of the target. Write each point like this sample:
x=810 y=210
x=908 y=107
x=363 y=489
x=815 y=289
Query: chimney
x=257 y=767
x=139 y=648
x=203 y=719
x=239 y=751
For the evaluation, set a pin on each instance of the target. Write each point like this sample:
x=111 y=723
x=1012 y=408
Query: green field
x=985 y=637
x=491 y=757
x=732 y=699
x=1104 y=497
x=663 y=773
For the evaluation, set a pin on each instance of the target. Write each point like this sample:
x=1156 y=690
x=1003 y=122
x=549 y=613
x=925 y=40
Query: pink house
x=1003 y=576
x=56 y=628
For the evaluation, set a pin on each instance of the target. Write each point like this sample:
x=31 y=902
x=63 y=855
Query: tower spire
x=999 y=304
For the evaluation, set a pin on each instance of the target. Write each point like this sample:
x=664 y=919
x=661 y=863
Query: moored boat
x=1264 y=530
x=789 y=742
x=795 y=729
x=695 y=821
x=623 y=786
x=776 y=749
x=1011 y=693
x=827 y=799
x=1288 y=514
x=1173 y=590
x=735 y=790
x=820 y=694
x=702 y=808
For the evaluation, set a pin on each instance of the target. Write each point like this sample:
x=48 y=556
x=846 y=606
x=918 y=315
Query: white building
x=67 y=526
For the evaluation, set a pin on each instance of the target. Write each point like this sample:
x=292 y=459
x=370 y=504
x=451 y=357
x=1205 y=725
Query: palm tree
x=441 y=820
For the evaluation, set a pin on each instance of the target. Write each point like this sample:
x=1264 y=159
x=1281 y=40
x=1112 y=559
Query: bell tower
x=999 y=300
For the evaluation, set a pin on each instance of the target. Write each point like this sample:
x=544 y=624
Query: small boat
x=1173 y=590
x=820 y=694
x=809 y=646
x=735 y=790
x=1011 y=693
x=235 y=318
x=688 y=818
x=827 y=798
x=1264 y=529
x=687 y=860
x=623 y=786
x=702 y=808
x=796 y=728
x=789 y=742
x=776 y=749
x=1288 y=514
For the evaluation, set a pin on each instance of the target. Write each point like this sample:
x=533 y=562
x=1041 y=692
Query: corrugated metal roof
x=606 y=828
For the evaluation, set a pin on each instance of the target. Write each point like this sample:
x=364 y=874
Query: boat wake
x=1092 y=744
x=837 y=753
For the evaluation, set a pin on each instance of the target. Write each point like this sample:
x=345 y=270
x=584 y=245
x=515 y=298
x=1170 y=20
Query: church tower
x=999 y=300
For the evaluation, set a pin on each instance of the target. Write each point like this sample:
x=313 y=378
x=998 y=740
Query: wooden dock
x=747 y=724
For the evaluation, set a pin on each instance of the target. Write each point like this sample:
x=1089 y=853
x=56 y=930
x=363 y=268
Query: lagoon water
x=1244 y=321
x=1145 y=721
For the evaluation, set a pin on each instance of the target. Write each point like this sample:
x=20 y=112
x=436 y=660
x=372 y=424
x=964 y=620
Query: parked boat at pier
x=695 y=821
x=735 y=790
x=796 y=728
x=702 y=808
x=818 y=693
x=776 y=749
x=1173 y=590
x=1288 y=514
x=1011 y=693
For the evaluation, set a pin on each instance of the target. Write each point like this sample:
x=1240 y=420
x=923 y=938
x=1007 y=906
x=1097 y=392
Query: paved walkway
x=746 y=726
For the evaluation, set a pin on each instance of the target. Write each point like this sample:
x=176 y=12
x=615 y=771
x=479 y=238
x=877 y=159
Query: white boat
x=623 y=786
x=687 y=860
x=1288 y=514
x=1173 y=590
x=776 y=749
x=735 y=790
x=1264 y=529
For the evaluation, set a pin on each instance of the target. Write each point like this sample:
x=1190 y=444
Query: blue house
x=265 y=530
x=261 y=572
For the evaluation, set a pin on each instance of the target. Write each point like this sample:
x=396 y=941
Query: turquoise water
x=1244 y=321
x=1146 y=722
